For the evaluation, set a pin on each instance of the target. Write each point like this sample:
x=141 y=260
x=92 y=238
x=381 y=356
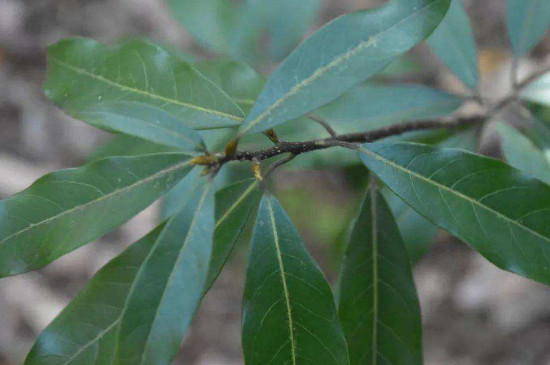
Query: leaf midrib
x=125 y=306
x=374 y=220
x=171 y=277
x=454 y=192
x=283 y=279
x=371 y=41
x=123 y=87
x=98 y=200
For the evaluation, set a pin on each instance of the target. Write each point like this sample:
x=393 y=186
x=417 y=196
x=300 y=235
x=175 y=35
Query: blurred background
x=473 y=313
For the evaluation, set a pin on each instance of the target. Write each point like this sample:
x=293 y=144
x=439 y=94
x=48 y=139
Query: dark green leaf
x=377 y=303
x=234 y=204
x=133 y=73
x=125 y=145
x=175 y=199
x=86 y=332
x=145 y=122
x=169 y=285
x=453 y=42
x=374 y=106
x=288 y=310
x=418 y=233
x=499 y=211
x=240 y=81
x=521 y=153
x=66 y=209
x=527 y=22
x=339 y=56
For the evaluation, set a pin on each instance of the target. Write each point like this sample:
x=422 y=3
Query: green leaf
x=527 y=21
x=169 y=285
x=377 y=303
x=234 y=205
x=133 y=73
x=125 y=145
x=353 y=47
x=538 y=91
x=418 y=233
x=288 y=311
x=453 y=42
x=521 y=153
x=175 y=199
x=64 y=210
x=86 y=331
x=499 y=211
x=372 y=106
x=240 y=81
x=145 y=122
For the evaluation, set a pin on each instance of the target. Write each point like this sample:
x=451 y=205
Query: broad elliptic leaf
x=453 y=42
x=377 y=300
x=417 y=232
x=499 y=211
x=134 y=73
x=169 y=285
x=341 y=55
x=288 y=313
x=372 y=106
x=538 y=91
x=64 y=210
x=86 y=331
x=523 y=154
x=527 y=21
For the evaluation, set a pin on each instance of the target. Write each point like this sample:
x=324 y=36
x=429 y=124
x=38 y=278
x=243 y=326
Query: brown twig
x=348 y=140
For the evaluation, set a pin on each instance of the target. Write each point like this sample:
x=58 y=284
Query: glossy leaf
x=521 y=153
x=373 y=106
x=453 y=42
x=499 y=211
x=339 y=56
x=538 y=91
x=527 y=21
x=377 y=303
x=66 y=209
x=288 y=311
x=134 y=73
x=169 y=285
x=175 y=199
x=86 y=332
x=417 y=232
